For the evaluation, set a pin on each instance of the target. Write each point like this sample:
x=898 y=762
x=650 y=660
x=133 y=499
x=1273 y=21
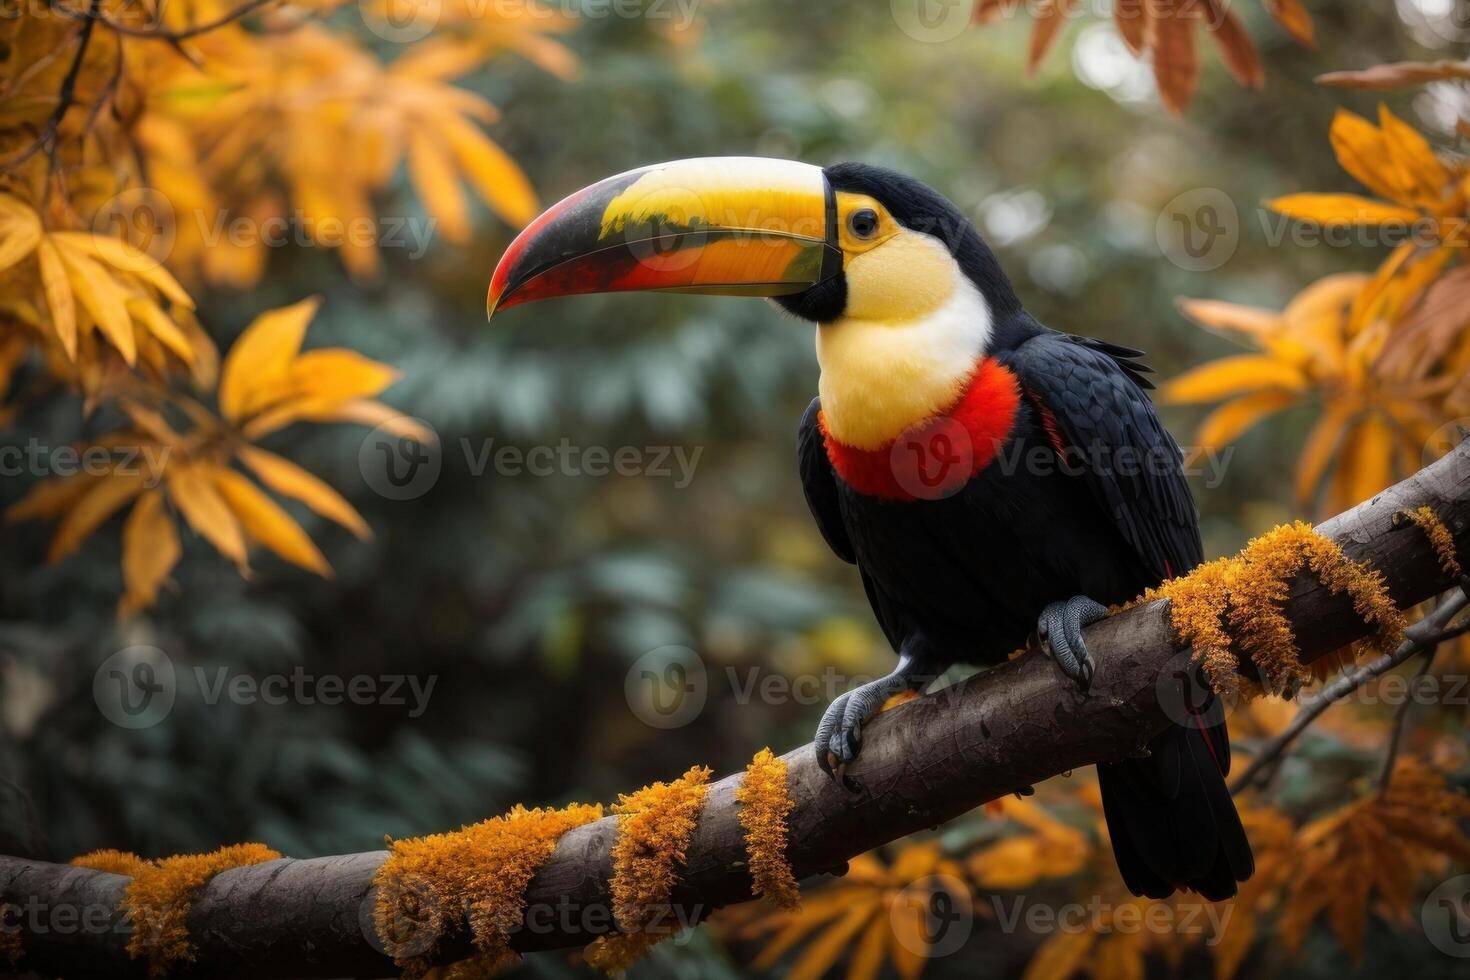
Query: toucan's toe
x=1059 y=629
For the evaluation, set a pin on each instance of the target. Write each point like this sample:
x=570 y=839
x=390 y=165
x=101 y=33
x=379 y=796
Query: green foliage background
x=529 y=598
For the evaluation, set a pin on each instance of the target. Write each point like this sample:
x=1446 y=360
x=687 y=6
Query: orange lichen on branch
x=1233 y=606
x=655 y=825
x=1439 y=537
x=765 y=803
x=430 y=885
x=158 y=899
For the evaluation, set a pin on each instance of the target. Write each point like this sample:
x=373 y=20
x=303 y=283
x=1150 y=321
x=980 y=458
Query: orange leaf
x=1291 y=15
x=1252 y=321
x=1062 y=955
x=1050 y=16
x=262 y=356
x=1226 y=423
x=1232 y=376
x=1317 y=450
x=206 y=511
x=1236 y=48
x=867 y=956
x=1363 y=152
x=1412 y=152
x=266 y=522
x=1341 y=209
x=827 y=948
x=1131 y=18
x=104 y=496
x=1176 y=63
x=290 y=480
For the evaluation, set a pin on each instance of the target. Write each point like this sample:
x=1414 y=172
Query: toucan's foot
x=840 y=735
x=1060 y=631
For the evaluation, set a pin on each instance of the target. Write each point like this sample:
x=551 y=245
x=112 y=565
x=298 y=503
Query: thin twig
x=161 y=33
x=1400 y=721
x=66 y=98
x=1424 y=635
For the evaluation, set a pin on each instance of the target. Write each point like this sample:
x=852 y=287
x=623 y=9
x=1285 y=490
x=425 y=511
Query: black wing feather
x=819 y=484
x=1131 y=463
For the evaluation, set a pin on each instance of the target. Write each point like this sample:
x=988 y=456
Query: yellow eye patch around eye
x=903 y=279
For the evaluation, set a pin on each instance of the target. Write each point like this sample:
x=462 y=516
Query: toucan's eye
x=863 y=223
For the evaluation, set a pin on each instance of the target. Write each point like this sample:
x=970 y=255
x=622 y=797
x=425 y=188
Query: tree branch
x=923 y=763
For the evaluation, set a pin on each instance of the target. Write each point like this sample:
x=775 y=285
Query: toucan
x=992 y=479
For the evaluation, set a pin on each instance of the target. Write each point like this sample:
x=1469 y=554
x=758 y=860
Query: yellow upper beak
x=730 y=225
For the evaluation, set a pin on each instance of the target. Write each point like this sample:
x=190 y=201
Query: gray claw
x=840 y=735
x=1059 y=629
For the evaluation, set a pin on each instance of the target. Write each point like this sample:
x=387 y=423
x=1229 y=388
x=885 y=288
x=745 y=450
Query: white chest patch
x=881 y=376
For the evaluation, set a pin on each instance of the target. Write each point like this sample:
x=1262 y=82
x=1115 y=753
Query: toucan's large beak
x=743 y=226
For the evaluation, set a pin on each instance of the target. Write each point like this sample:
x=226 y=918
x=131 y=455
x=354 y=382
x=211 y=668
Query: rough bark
x=922 y=764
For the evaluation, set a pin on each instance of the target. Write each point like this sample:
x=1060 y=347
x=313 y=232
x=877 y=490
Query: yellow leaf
x=49 y=497
x=1317 y=451
x=1232 y=376
x=867 y=956
x=1230 y=420
x=1062 y=955
x=1372 y=457
x=814 y=911
x=206 y=511
x=290 y=480
x=827 y=948
x=104 y=497
x=1251 y=321
x=125 y=257
x=378 y=415
x=266 y=522
x=262 y=356
x=337 y=374
x=1119 y=956
x=492 y=173
x=20 y=231
x=147 y=312
x=102 y=298
x=150 y=549
x=433 y=177
x=909 y=948
x=1342 y=209
x=58 y=296
x=1362 y=152
x=1413 y=153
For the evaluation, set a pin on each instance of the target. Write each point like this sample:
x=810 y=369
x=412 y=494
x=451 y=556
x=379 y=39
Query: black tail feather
x=1171 y=818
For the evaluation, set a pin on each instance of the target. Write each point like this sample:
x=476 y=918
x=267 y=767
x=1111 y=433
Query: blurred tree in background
x=522 y=580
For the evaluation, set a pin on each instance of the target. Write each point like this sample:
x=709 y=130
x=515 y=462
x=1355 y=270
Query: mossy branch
x=923 y=763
